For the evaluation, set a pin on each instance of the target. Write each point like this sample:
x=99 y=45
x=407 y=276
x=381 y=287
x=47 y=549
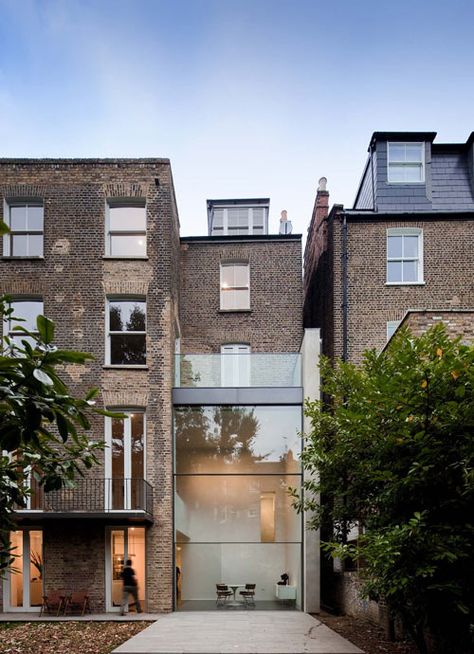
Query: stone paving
x=245 y=632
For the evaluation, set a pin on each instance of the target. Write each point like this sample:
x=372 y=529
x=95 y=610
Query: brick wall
x=457 y=323
x=273 y=323
x=74 y=279
x=448 y=256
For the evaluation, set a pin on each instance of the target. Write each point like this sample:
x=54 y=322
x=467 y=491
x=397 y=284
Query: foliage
x=41 y=425
x=393 y=448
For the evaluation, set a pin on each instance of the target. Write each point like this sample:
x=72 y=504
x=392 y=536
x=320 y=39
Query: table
x=234 y=587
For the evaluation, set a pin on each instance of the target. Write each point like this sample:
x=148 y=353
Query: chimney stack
x=285 y=224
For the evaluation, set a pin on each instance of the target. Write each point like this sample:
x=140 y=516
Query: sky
x=255 y=98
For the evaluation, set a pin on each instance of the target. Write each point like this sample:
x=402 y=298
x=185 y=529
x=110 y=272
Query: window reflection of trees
x=129 y=346
x=219 y=437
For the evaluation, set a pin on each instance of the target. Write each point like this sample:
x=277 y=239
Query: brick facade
x=74 y=279
x=273 y=323
x=180 y=281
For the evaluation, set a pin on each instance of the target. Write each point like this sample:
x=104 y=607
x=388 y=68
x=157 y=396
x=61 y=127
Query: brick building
x=406 y=245
x=199 y=341
x=404 y=254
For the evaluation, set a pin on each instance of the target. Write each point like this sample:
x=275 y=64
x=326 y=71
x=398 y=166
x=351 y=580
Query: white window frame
x=250 y=224
x=233 y=368
x=108 y=343
x=7 y=238
x=227 y=264
x=401 y=164
x=124 y=202
x=392 y=326
x=127 y=456
x=405 y=231
x=26 y=574
x=16 y=336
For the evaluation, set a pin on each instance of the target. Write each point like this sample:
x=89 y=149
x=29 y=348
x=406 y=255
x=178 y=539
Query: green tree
x=393 y=450
x=41 y=424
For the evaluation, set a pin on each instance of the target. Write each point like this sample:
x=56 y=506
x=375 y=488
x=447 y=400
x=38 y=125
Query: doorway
x=24 y=584
x=124 y=543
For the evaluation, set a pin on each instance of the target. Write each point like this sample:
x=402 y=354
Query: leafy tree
x=41 y=424
x=393 y=448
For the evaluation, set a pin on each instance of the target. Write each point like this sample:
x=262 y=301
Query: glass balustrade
x=243 y=370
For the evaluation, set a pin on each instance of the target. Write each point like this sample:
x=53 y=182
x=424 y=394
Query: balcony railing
x=94 y=496
x=243 y=370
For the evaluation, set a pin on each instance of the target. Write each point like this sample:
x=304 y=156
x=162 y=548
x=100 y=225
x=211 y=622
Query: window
x=236 y=221
x=25 y=238
x=406 y=162
x=235 y=364
x=392 y=326
x=126 y=228
x=125 y=461
x=24 y=315
x=235 y=286
x=404 y=256
x=126 y=332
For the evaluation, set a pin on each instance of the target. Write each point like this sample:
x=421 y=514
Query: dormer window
x=406 y=163
x=238 y=217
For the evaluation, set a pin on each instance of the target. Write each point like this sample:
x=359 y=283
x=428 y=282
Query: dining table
x=233 y=588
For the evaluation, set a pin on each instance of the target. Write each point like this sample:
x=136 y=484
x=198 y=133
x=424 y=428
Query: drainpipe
x=345 y=303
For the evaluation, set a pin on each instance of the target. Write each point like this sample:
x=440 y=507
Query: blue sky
x=247 y=98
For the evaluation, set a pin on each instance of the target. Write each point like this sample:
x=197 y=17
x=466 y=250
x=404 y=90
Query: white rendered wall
x=310 y=352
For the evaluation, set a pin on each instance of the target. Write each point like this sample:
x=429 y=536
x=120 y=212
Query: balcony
x=280 y=370
x=122 y=498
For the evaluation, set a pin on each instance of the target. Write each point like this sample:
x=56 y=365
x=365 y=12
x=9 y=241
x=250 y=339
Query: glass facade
x=234 y=522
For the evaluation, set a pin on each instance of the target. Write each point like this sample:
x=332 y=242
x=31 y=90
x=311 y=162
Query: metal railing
x=243 y=370
x=94 y=496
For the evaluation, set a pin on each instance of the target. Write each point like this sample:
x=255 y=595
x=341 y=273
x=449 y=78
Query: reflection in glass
x=118 y=463
x=394 y=271
x=394 y=247
x=128 y=350
x=127 y=326
x=127 y=218
x=238 y=439
x=117 y=545
x=410 y=246
x=128 y=245
x=137 y=443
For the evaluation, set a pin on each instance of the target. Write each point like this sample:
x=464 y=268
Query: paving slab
x=248 y=632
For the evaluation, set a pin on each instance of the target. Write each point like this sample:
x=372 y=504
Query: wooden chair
x=53 y=602
x=223 y=593
x=77 y=601
x=248 y=594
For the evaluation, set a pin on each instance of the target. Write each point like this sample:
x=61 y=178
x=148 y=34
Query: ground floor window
x=24 y=583
x=234 y=522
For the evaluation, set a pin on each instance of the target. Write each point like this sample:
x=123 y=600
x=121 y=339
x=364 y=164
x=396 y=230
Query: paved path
x=245 y=632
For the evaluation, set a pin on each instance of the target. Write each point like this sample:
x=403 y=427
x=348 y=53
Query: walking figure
x=130 y=587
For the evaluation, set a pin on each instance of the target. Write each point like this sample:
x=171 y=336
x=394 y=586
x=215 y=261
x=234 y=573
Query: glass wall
x=233 y=515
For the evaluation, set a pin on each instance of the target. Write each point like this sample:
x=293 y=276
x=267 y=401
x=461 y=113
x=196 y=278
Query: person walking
x=130 y=587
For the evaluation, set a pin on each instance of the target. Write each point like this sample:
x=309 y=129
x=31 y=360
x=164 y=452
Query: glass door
x=122 y=544
x=24 y=587
x=125 y=463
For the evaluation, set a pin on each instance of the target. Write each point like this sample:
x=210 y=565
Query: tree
x=41 y=424
x=393 y=448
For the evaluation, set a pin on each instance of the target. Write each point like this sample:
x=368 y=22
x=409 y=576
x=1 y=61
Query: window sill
x=124 y=257
x=405 y=283
x=235 y=311
x=17 y=258
x=121 y=366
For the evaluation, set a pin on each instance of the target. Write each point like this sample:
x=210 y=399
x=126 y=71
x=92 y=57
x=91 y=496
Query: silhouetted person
x=130 y=587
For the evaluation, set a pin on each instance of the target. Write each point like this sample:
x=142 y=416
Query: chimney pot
x=322 y=184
